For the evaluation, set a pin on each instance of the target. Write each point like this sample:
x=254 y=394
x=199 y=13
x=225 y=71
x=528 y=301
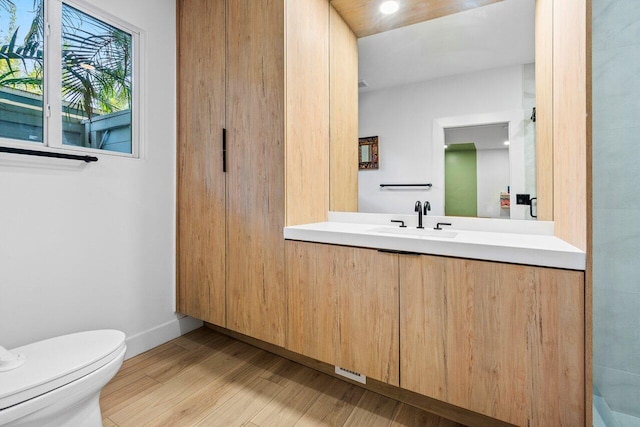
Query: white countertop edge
x=542 y=228
x=570 y=258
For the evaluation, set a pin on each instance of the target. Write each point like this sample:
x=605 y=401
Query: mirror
x=472 y=70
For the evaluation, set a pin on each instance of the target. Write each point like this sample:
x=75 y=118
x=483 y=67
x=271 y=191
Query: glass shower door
x=616 y=212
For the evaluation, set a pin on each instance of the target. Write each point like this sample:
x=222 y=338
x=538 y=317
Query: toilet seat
x=55 y=362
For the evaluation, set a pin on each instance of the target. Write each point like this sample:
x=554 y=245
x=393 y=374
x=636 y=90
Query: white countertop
x=528 y=248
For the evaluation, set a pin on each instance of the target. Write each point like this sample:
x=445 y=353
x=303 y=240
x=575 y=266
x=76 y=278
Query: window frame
x=52 y=81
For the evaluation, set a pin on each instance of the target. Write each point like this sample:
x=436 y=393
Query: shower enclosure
x=616 y=212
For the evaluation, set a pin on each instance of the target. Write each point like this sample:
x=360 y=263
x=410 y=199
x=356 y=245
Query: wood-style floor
x=208 y=379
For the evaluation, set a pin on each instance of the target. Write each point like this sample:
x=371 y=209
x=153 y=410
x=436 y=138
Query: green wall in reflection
x=460 y=180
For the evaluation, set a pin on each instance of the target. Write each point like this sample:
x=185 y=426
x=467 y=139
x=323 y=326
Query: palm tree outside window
x=93 y=88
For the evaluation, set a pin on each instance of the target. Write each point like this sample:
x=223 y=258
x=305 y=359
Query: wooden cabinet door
x=255 y=169
x=503 y=340
x=343 y=307
x=201 y=181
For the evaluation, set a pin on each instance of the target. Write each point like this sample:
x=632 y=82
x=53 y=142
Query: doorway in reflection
x=477 y=175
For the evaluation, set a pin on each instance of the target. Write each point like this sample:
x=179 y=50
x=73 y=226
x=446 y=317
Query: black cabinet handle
x=392 y=251
x=224 y=150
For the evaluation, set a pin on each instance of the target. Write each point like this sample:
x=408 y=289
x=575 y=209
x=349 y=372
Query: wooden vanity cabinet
x=499 y=339
x=343 y=307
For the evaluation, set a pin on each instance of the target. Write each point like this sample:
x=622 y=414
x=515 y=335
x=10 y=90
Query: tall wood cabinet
x=239 y=69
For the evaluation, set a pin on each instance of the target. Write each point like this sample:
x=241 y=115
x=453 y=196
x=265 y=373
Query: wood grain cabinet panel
x=502 y=340
x=255 y=171
x=343 y=98
x=343 y=307
x=201 y=227
x=307 y=111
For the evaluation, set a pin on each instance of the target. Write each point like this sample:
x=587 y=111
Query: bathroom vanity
x=458 y=317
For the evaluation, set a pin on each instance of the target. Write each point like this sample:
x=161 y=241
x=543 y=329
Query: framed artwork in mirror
x=368 y=153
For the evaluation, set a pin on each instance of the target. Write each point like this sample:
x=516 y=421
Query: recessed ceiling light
x=389 y=7
x=506 y=143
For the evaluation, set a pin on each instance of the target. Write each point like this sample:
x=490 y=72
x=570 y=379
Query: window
x=67 y=77
x=21 y=71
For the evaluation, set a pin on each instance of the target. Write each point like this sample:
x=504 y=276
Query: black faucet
x=427 y=207
x=419 y=210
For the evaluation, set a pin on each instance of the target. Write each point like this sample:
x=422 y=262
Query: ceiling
x=364 y=17
x=497 y=35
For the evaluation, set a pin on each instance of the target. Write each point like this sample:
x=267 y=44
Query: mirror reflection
x=473 y=70
x=364 y=153
x=476 y=171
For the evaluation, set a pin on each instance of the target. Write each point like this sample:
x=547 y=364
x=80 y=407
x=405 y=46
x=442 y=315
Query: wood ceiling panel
x=365 y=18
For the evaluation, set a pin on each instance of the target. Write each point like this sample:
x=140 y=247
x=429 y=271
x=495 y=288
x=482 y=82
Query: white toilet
x=57 y=382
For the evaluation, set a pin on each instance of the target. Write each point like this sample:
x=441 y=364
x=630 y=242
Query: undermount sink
x=420 y=232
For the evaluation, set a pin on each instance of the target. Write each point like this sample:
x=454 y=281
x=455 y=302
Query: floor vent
x=351 y=375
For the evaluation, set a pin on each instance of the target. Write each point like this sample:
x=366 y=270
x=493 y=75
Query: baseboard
x=160 y=334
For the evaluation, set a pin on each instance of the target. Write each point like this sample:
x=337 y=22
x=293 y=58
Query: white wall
x=493 y=178
x=92 y=246
x=403 y=116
